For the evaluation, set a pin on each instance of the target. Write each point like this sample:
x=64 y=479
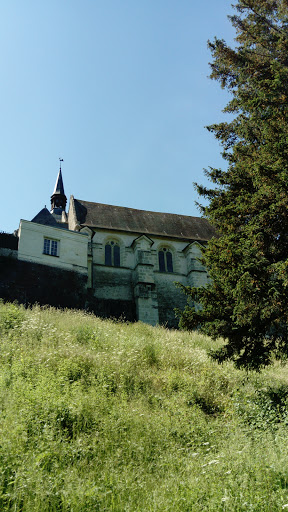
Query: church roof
x=120 y=218
x=59 y=187
x=46 y=218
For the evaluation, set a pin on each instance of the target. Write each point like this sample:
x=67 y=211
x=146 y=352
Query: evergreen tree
x=246 y=301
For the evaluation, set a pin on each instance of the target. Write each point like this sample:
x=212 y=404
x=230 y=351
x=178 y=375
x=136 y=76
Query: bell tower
x=58 y=198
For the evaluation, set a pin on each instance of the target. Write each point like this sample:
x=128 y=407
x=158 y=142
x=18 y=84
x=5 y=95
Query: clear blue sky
x=119 y=90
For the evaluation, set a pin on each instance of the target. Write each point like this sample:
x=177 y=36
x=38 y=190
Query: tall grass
x=106 y=416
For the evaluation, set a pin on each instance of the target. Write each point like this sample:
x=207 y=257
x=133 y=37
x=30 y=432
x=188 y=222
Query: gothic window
x=112 y=254
x=165 y=260
x=51 y=247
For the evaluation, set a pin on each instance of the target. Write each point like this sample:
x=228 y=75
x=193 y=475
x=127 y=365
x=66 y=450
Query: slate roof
x=119 y=218
x=59 y=187
x=46 y=218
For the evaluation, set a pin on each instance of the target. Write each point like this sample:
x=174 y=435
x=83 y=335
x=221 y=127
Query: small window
x=51 y=247
x=165 y=260
x=112 y=254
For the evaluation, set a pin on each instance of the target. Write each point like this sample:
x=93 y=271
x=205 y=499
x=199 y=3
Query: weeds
x=108 y=416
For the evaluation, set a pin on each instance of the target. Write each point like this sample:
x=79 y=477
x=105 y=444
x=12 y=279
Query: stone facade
x=138 y=278
x=131 y=258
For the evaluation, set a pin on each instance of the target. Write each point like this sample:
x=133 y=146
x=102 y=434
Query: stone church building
x=131 y=259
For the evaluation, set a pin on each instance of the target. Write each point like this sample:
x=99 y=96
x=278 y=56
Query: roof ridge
x=139 y=210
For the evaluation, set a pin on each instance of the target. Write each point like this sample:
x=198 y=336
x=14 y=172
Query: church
x=130 y=259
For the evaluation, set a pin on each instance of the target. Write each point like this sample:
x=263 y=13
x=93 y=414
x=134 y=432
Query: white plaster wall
x=73 y=247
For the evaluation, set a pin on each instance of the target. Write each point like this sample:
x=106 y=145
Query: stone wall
x=30 y=282
x=111 y=308
x=80 y=277
x=9 y=253
x=8 y=241
x=169 y=297
x=112 y=283
x=138 y=284
x=112 y=294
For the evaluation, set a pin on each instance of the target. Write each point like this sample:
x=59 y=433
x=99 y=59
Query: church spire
x=58 y=198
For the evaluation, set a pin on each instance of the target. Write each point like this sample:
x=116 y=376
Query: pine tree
x=246 y=301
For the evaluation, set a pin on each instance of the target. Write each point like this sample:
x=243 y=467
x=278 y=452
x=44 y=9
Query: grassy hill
x=106 y=416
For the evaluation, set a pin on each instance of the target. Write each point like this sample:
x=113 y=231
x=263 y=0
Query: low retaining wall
x=30 y=283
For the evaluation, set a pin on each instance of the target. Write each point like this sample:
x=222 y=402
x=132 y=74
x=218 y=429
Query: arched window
x=165 y=260
x=112 y=254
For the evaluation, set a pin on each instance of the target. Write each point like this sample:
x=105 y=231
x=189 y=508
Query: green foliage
x=266 y=409
x=105 y=416
x=246 y=302
x=11 y=317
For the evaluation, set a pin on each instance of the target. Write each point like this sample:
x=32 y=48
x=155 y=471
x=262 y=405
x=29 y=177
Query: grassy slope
x=105 y=416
